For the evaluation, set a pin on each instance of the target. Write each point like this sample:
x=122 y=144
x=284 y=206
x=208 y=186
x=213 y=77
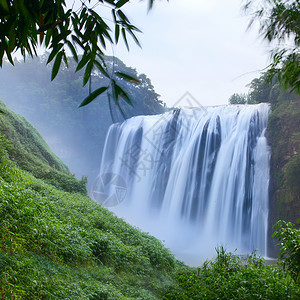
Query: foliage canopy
x=289 y=241
x=279 y=22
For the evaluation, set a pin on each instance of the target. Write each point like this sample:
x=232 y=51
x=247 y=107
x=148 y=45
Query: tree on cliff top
x=80 y=29
x=279 y=22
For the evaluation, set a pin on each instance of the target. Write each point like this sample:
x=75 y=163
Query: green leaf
x=65 y=59
x=56 y=65
x=117 y=92
x=77 y=40
x=120 y=3
x=93 y=95
x=54 y=52
x=117 y=33
x=83 y=62
x=123 y=95
x=4 y=6
x=125 y=38
x=87 y=73
x=1 y=111
x=9 y=57
x=48 y=38
x=101 y=68
x=122 y=16
x=135 y=38
x=12 y=40
x=73 y=50
x=127 y=77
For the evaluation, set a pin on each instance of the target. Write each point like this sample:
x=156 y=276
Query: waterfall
x=195 y=178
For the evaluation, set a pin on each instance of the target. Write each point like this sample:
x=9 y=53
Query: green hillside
x=60 y=245
x=31 y=153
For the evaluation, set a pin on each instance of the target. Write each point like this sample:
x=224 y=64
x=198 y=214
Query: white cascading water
x=194 y=178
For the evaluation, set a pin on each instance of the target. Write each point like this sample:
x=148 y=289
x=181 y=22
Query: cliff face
x=284 y=139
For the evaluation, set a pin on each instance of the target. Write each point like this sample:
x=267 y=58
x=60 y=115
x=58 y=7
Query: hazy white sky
x=198 y=46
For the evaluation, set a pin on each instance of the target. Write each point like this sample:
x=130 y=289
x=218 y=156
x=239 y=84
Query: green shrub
x=231 y=277
x=289 y=242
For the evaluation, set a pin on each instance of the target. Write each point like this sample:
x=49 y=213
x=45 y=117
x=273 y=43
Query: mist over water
x=194 y=178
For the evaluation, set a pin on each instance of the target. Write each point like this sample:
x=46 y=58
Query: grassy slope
x=60 y=245
x=31 y=153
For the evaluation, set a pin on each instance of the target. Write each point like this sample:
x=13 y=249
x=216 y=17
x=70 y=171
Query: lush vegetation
x=289 y=238
x=232 y=277
x=279 y=24
x=75 y=134
x=56 y=244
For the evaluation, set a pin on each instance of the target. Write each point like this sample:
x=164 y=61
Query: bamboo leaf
x=120 y=3
x=56 y=65
x=135 y=38
x=77 y=40
x=73 y=50
x=101 y=68
x=122 y=16
x=93 y=95
x=9 y=57
x=54 y=52
x=117 y=33
x=87 y=73
x=127 y=77
x=82 y=63
x=125 y=38
x=123 y=95
x=65 y=59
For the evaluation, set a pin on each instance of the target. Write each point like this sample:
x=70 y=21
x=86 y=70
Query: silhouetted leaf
x=125 y=38
x=122 y=94
x=87 y=73
x=122 y=16
x=56 y=64
x=92 y=96
x=54 y=52
x=127 y=77
x=9 y=57
x=101 y=68
x=120 y=3
x=117 y=33
x=77 y=40
x=83 y=62
x=73 y=50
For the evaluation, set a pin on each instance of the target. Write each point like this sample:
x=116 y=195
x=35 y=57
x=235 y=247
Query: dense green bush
x=231 y=277
x=289 y=242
